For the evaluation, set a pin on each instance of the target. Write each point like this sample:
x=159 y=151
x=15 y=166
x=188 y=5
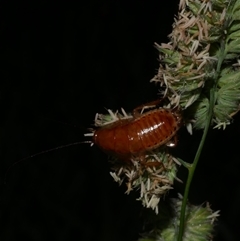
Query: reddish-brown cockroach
x=139 y=134
x=134 y=135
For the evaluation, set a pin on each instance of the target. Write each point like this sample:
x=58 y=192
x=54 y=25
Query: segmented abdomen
x=134 y=136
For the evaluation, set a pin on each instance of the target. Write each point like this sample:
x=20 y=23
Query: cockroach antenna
x=43 y=152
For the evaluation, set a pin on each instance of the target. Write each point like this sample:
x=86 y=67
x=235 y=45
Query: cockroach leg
x=140 y=109
x=150 y=164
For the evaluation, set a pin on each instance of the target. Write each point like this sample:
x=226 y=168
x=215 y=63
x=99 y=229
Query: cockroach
x=133 y=136
x=139 y=134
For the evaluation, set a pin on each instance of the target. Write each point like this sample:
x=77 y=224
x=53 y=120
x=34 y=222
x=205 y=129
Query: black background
x=62 y=63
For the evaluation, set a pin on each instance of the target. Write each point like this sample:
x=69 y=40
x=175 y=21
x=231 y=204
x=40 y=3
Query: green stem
x=191 y=168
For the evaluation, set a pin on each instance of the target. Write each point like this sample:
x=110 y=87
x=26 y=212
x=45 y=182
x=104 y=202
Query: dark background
x=62 y=63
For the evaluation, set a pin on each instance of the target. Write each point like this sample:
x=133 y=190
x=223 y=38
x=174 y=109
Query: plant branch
x=192 y=168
